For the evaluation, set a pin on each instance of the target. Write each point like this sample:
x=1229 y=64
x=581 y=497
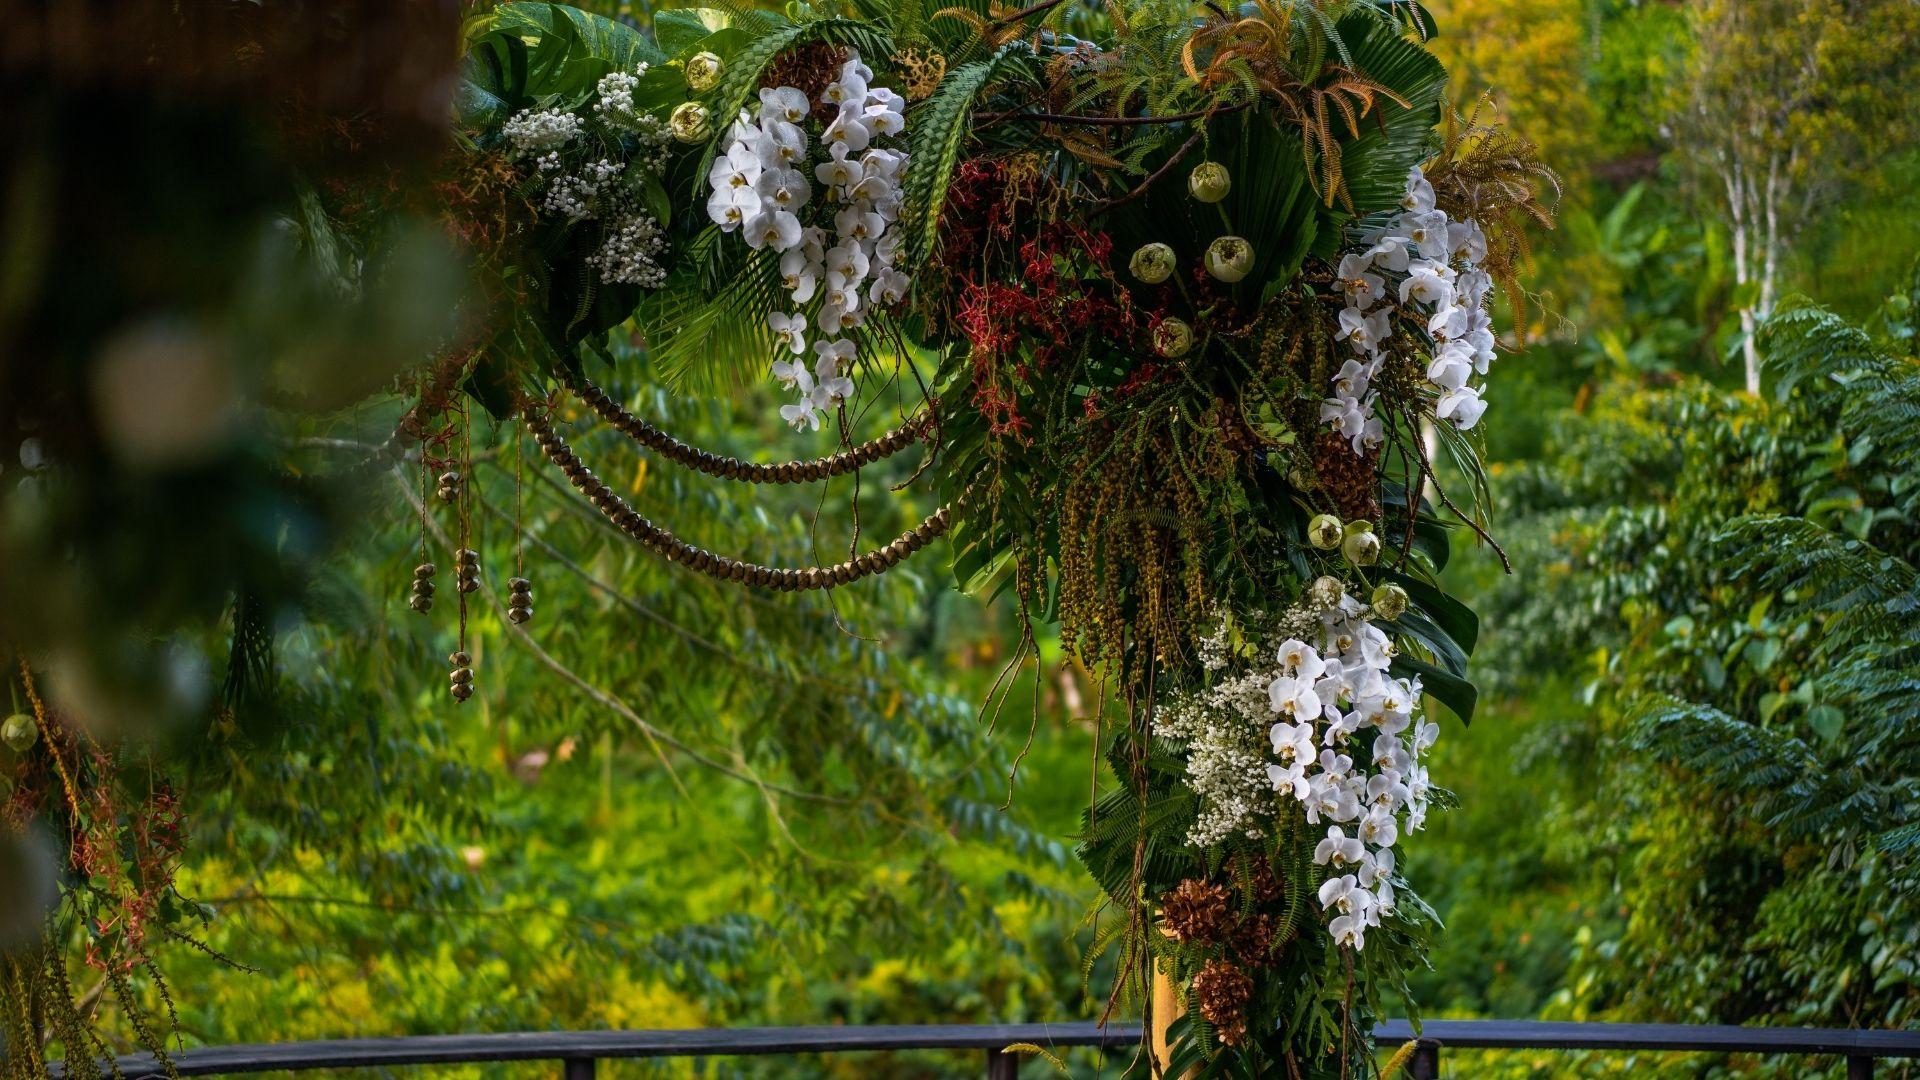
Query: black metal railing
x=579 y=1052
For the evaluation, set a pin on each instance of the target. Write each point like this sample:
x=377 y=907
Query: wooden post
x=1859 y=1068
x=577 y=1068
x=1002 y=1065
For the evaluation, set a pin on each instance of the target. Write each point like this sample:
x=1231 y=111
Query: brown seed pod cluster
x=1222 y=991
x=450 y=486
x=1196 y=911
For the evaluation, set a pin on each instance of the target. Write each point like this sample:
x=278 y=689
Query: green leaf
x=681 y=31
x=938 y=131
x=1448 y=689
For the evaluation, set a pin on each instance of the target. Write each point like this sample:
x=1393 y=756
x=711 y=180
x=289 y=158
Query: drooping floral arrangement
x=1198 y=303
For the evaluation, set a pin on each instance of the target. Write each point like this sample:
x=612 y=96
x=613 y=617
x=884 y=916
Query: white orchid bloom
x=1426 y=284
x=1428 y=231
x=848 y=129
x=1291 y=778
x=1363 y=287
x=1425 y=734
x=848 y=90
x=730 y=207
x=857 y=221
x=1350 y=931
x=802 y=413
x=1418 y=198
x=1452 y=366
x=1389 y=252
x=835 y=356
x=738 y=167
x=1390 y=754
x=1376 y=867
x=784 y=189
x=793 y=375
x=831 y=386
x=1385 y=794
x=1352 y=380
x=800 y=275
x=1338 y=849
x=784 y=104
x=889 y=286
x=1293 y=743
x=1294 y=697
x=1466 y=241
x=883 y=119
x=838 y=171
x=1300 y=660
x=1379 y=828
x=1483 y=343
x=1473 y=287
x=1449 y=321
x=850 y=261
x=772 y=228
x=789 y=330
x=1463 y=407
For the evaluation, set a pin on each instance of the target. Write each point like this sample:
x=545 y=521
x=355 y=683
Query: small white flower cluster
x=631 y=253
x=760 y=187
x=613 y=102
x=536 y=132
x=1327 y=698
x=1224 y=727
x=633 y=243
x=1421 y=264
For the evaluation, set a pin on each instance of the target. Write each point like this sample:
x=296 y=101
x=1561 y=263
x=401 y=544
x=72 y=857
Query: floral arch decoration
x=1199 y=305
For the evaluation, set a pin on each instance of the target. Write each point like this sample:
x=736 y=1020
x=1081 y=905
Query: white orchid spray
x=1325 y=726
x=1422 y=265
x=837 y=252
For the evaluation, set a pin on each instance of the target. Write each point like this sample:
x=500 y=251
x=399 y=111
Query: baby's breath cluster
x=590 y=169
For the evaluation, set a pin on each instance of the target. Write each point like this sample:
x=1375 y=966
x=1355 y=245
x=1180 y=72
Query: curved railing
x=577 y=1052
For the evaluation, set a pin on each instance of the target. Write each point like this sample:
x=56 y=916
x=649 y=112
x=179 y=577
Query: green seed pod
x=19 y=732
x=1153 y=263
x=1326 y=593
x=1209 y=182
x=1325 y=532
x=703 y=72
x=1361 y=546
x=1390 y=601
x=689 y=122
x=1230 y=258
x=1172 y=338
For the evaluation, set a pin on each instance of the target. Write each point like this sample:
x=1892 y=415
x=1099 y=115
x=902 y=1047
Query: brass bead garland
x=466 y=570
x=730 y=468
x=673 y=549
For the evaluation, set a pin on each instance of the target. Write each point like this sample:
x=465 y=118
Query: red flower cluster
x=1029 y=290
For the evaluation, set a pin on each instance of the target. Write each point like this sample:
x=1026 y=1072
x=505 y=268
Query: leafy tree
x=1787 y=101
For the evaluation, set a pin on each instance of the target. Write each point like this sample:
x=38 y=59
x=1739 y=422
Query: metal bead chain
x=719 y=567
x=729 y=468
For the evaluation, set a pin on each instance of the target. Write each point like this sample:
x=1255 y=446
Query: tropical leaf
x=1394 y=138
x=937 y=134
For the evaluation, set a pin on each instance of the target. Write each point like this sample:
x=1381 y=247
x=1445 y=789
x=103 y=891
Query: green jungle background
x=1689 y=795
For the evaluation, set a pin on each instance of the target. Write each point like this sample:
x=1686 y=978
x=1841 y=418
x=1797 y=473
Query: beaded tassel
x=422 y=600
x=519 y=600
x=460 y=679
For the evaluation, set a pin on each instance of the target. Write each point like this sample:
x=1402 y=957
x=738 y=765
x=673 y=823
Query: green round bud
x=19 y=732
x=1325 y=532
x=1390 y=601
x=703 y=72
x=1172 y=338
x=690 y=122
x=1326 y=593
x=1153 y=263
x=1230 y=258
x=1361 y=546
x=1209 y=182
